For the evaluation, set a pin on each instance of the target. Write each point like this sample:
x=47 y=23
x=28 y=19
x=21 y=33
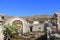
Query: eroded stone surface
x=1 y=33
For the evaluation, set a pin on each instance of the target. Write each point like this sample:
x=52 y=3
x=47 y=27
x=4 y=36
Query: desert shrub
x=10 y=31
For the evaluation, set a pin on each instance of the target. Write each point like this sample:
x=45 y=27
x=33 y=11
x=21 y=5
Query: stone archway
x=19 y=23
x=23 y=24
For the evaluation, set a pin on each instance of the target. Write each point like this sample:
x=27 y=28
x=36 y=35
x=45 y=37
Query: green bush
x=10 y=30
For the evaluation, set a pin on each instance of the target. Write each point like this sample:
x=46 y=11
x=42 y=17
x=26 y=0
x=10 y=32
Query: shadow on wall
x=44 y=37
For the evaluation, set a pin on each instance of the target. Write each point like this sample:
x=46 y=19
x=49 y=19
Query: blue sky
x=29 y=7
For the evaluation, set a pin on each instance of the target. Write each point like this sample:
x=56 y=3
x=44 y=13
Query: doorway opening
x=31 y=28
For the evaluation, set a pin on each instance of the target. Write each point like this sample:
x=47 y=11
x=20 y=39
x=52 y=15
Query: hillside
x=38 y=17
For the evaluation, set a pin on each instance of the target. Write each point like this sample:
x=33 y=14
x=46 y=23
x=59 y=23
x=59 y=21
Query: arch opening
x=19 y=24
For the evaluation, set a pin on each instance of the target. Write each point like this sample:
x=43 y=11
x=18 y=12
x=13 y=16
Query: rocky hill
x=38 y=17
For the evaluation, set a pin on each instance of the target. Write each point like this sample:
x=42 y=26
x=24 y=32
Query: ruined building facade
x=24 y=25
